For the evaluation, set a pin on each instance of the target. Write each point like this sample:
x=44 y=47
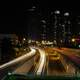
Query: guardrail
x=19 y=59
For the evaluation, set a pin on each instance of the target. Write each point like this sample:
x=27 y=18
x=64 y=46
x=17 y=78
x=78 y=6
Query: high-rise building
x=33 y=23
x=77 y=29
x=43 y=32
x=57 y=28
x=62 y=25
x=10 y=37
x=67 y=28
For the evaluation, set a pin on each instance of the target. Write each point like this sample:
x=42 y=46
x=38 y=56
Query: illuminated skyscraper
x=43 y=25
x=67 y=28
x=56 y=26
x=62 y=25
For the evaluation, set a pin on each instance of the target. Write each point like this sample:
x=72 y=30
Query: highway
x=60 y=65
x=71 y=54
x=38 y=69
x=12 y=65
x=54 y=62
x=17 y=60
x=42 y=62
x=45 y=61
x=26 y=67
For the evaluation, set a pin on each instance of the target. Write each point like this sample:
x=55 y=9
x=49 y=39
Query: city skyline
x=40 y=39
x=34 y=19
x=13 y=19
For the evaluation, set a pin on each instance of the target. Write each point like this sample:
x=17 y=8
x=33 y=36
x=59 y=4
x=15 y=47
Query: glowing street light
x=24 y=39
x=73 y=40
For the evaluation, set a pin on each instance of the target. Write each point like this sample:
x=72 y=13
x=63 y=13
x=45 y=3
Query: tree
x=7 y=49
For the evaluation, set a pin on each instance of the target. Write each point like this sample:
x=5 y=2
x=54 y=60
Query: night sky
x=64 y=6
x=12 y=19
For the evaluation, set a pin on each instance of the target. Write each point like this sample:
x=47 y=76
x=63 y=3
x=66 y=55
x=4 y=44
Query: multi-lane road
x=44 y=61
x=11 y=66
x=60 y=66
x=64 y=64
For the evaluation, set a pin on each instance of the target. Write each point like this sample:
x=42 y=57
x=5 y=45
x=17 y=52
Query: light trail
x=41 y=62
x=19 y=59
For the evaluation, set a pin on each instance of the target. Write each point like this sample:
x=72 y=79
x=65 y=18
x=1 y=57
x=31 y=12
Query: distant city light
x=57 y=12
x=33 y=7
x=43 y=42
x=29 y=41
x=66 y=14
x=24 y=49
x=33 y=40
x=54 y=41
x=47 y=42
x=63 y=25
x=37 y=42
x=61 y=41
x=9 y=73
x=73 y=40
x=24 y=39
x=43 y=21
